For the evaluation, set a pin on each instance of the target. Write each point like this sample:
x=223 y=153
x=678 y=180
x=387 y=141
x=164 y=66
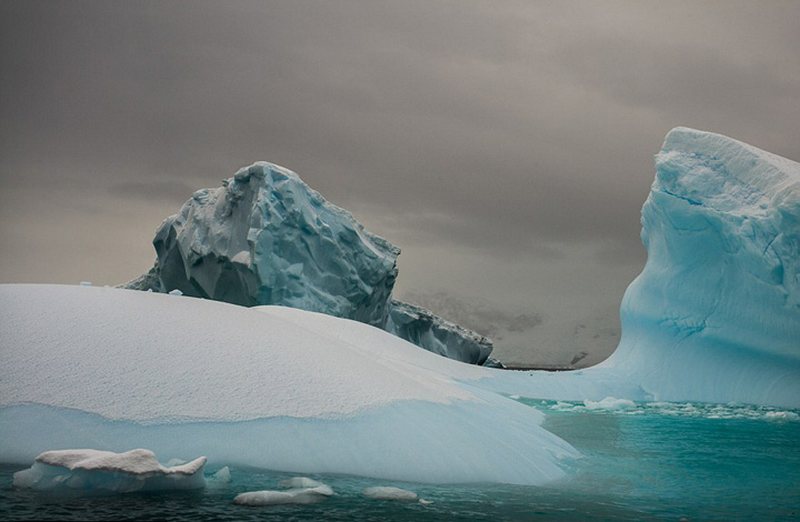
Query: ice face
x=87 y=470
x=715 y=314
x=267 y=238
x=716 y=311
x=437 y=335
x=270 y=387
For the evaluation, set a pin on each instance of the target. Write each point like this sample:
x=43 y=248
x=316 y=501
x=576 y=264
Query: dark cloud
x=497 y=134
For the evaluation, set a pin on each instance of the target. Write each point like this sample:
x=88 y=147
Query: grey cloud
x=173 y=191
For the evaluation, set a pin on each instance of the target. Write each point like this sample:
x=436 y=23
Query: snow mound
x=106 y=471
x=270 y=387
x=389 y=493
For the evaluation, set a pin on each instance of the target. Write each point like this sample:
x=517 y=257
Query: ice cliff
x=717 y=305
x=267 y=238
x=715 y=314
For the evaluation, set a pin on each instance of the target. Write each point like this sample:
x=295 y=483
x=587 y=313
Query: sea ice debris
x=90 y=470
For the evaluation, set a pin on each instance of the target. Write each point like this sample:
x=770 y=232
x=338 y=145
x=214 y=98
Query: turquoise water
x=641 y=462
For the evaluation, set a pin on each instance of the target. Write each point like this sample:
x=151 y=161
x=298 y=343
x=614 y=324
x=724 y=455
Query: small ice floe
x=782 y=415
x=301 y=490
x=515 y=397
x=88 y=470
x=300 y=482
x=86 y=283
x=175 y=292
x=219 y=480
x=610 y=403
x=393 y=493
x=222 y=476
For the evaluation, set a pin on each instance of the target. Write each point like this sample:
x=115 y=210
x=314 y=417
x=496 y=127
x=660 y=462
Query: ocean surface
x=654 y=461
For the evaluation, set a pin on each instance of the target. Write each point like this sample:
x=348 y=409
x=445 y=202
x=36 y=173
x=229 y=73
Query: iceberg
x=266 y=238
x=271 y=387
x=300 y=490
x=87 y=470
x=389 y=493
x=715 y=314
x=427 y=330
x=292 y=496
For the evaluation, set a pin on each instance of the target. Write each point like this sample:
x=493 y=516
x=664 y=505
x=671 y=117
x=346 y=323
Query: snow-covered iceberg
x=270 y=387
x=94 y=471
x=267 y=238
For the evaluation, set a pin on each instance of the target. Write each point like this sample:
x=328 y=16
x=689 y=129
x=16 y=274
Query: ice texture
x=437 y=335
x=270 y=387
x=88 y=470
x=267 y=238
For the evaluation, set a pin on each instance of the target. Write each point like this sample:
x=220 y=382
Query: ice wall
x=437 y=335
x=265 y=237
x=715 y=314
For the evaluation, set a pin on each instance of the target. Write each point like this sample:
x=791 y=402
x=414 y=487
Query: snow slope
x=273 y=387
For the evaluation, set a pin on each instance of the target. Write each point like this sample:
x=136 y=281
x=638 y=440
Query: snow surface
x=93 y=470
x=272 y=387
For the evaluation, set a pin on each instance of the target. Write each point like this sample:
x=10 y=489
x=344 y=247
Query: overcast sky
x=506 y=147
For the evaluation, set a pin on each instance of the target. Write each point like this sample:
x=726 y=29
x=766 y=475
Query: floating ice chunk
x=290 y=496
x=609 y=403
x=175 y=292
x=222 y=476
x=389 y=493
x=782 y=415
x=86 y=283
x=105 y=471
x=300 y=482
